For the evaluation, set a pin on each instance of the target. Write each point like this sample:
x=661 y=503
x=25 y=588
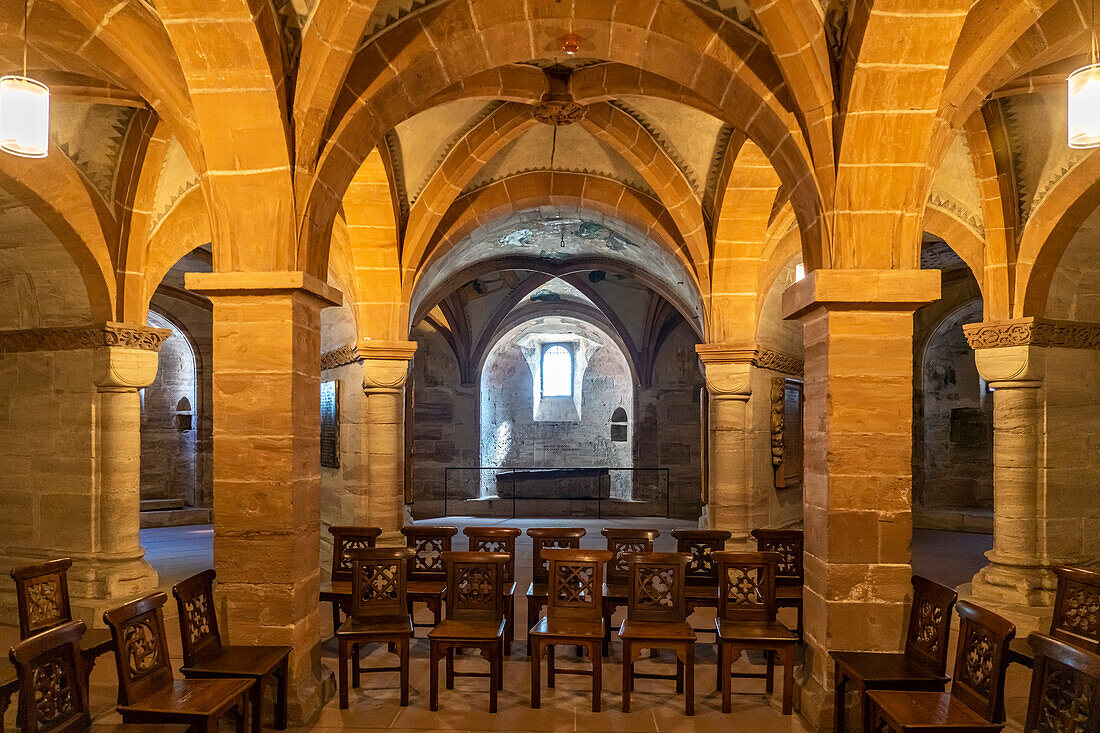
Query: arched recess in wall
x=169 y=425
x=522 y=427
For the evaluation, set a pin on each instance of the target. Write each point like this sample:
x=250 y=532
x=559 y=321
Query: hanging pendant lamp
x=1083 y=111
x=24 y=111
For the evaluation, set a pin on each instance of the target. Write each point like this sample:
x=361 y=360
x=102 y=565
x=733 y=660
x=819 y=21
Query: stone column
x=385 y=372
x=731 y=502
x=119 y=570
x=857 y=329
x=267 y=480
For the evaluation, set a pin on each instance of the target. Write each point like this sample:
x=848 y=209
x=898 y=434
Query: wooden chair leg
x=282 y=678
x=243 y=710
x=403 y=663
x=718 y=667
x=536 y=670
x=437 y=611
x=551 y=650
x=335 y=616
x=433 y=682
x=255 y=706
x=450 y=668
x=500 y=670
x=597 y=674
x=606 y=633
x=495 y=650
x=679 y=675
x=509 y=624
x=727 y=683
x=344 y=658
x=864 y=707
x=788 y=679
x=356 y=649
x=839 y=684
x=689 y=681
x=628 y=673
x=532 y=619
x=769 y=684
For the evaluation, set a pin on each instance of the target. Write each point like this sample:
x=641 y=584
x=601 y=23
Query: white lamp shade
x=24 y=117
x=1084 y=107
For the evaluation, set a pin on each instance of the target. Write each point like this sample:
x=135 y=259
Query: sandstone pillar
x=731 y=502
x=857 y=330
x=385 y=372
x=266 y=385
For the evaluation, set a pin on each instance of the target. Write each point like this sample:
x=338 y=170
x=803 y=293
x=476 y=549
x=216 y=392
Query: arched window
x=557 y=372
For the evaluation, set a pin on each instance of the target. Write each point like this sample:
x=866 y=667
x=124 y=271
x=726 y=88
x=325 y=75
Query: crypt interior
x=292 y=266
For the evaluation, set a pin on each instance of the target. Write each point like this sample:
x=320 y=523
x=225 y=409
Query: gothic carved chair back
x=746 y=586
x=475 y=585
x=198 y=622
x=929 y=624
x=576 y=584
x=700 y=546
x=543 y=538
x=657 y=586
x=53 y=697
x=428 y=545
x=496 y=539
x=789 y=544
x=620 y=542
x=981 y=660
x=379 y=581
x=141 y=652
x=1065 y=688
x=346 y=539
x=1077 y=608
x=42 y=593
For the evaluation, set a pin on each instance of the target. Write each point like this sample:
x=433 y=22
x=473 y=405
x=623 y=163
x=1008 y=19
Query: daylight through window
x=557 y=372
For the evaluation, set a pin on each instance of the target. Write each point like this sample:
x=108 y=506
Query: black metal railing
x=648 y=487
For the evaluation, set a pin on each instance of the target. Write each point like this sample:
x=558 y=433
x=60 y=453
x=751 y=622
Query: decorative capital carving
x=1033 y=332
x=342 y=356
x=367 y=349
x=124 y=369
x=1011 y=366
x=727 y=368
x=777 y=361
x=385 y=364
x=109 y=334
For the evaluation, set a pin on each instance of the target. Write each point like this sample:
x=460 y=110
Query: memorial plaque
x=791 y=467
x=330 y=424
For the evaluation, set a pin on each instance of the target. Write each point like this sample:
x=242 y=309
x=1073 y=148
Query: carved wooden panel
x=140 y=648
x=978 y=672
x=1082 y=609
x=475 y=586
x=1066 y=701
x=347 y=545
x=199 y=620
x=379 y=582
x=619 y=548
x=56 y=698
x=702 y=563
x=575 y=585
x=490 y=544
x=429 y=554
x=743 y=588
x=565 y=543
x=44 y=601
x=656 y=587
x=931 y=627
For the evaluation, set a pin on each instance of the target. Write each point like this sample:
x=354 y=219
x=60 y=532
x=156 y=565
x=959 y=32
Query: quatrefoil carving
x=744 y=588
x=379 y=582
x=575 y=584
x=54 y=692
x=655 y=587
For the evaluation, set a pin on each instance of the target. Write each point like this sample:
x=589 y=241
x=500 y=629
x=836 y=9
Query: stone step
x=156 y=505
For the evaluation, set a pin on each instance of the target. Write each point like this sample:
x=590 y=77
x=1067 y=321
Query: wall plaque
x=787 y=431
x=330 y=424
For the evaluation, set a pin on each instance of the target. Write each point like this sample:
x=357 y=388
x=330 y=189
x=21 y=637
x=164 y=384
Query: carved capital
x=1011 y=366
x=1040 y=332
x=342 y=356
x=777 y=361
x=727 y=368
x=385 y=364
x=95 y=336
x=124 y=369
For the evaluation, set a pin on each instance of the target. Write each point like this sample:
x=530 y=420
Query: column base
x=813 y=703
x=1015 y=585
x=1026 y=618
x=306 y=698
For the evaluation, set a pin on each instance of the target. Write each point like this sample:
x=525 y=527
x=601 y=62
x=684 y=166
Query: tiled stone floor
x=948 y=557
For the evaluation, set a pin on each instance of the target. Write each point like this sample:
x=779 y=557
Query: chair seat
x=426 y=588
x=455 y=630
x=376 y=625
x=656 y=630
x=97 y=641
x=190 y=698
x=788 y=593
x=538 y=590
x=754 y=632
x=701 y=592
x=335 y=590
x=884 y=668
x=139 y=728
x=241 y=661
x=929 y=710
x=568 y=628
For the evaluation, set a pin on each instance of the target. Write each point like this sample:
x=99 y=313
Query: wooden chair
x=545 y=538
x=42 y=594
x=500 y=539
x=701 y=584
x=147 y=691
x=9 y=685
x=656 y=618
x=1065 y=688
x=427 y=581
x=977 y=699
x=574 y=615
x=919 y=668
x=616 y=587
x=337 y=591
x=746 y=620
x=1078 y=590
x=475 y=619
x=790 y=576
x=53 y=693
x=205 y=657
x=379 y=614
